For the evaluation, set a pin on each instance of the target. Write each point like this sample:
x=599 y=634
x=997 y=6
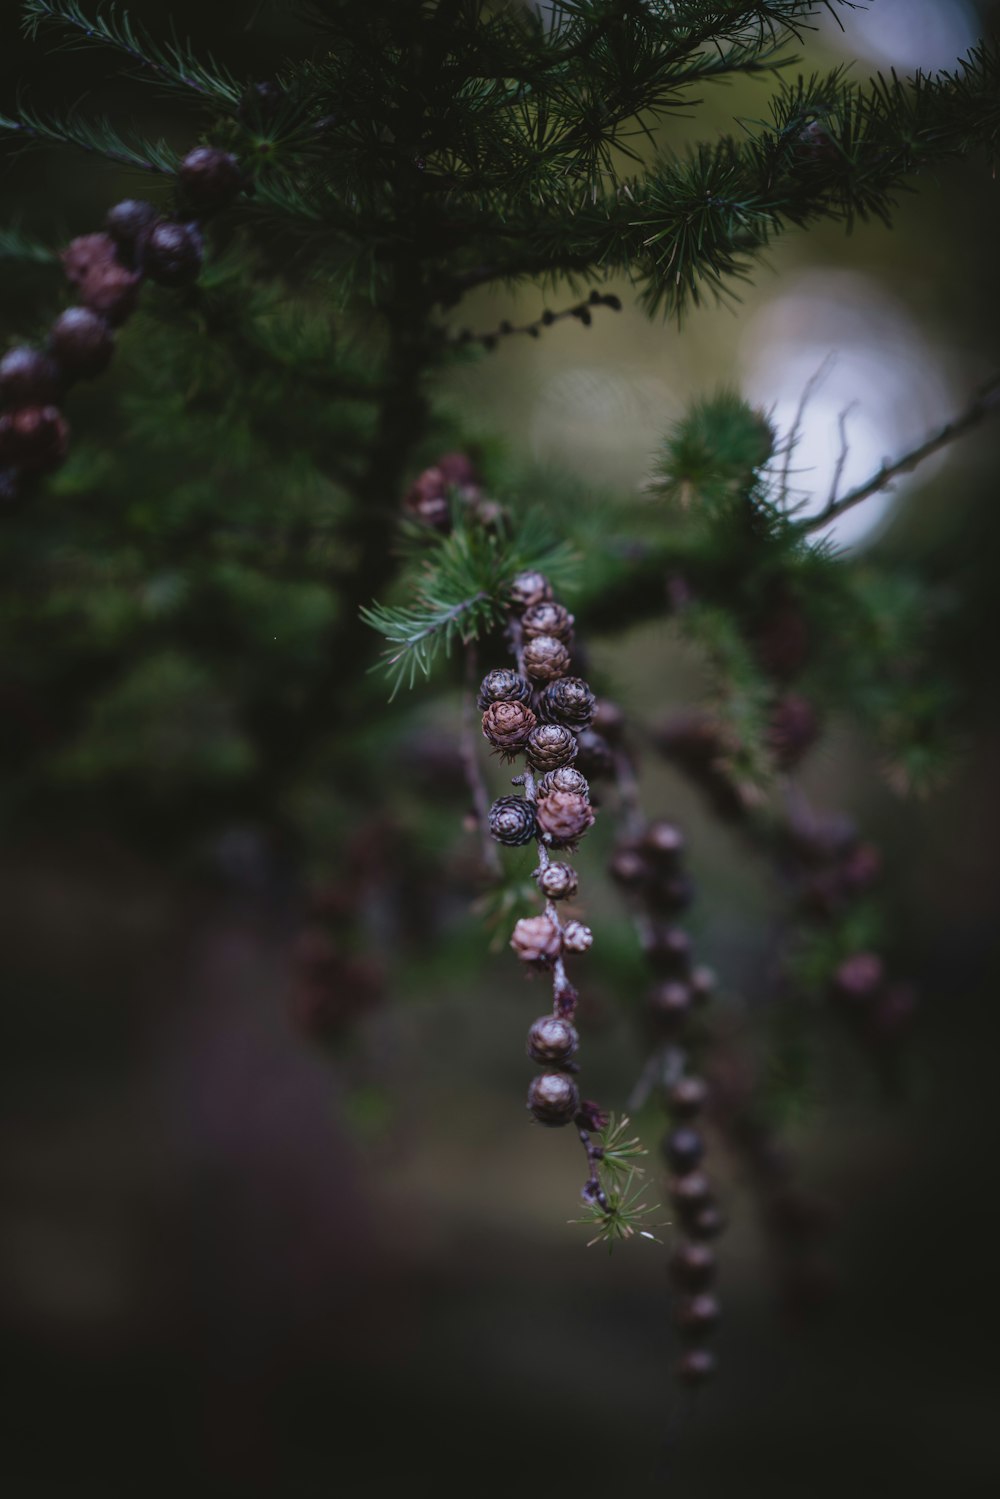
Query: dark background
x=232 y=1264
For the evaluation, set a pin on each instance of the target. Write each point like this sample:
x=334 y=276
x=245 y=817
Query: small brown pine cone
x=512 y=821
x=568 y=700
x=670 y=1004
x=29 y=378
x=553 y=1099
x=566 y=778
x=86 y=253
x=596 y=757
x=127 y=220
x=537 y=940
x=82 y=343
x=427 y=500
x=693 y=1266
x=696 y=1366
x=210 y=178
x=577 y=937
x=111 y=291
x=563 y=817
x=687 y=1097
x=552 y=1041
x=547 y=618
x=34 y=438
x=550 y=746
x=545 y=658
x=529 y=588
x=663 y=841
x=502 y=686
x=558 y=881
x=697 y=1316
x=667 y=949
x=628 y=868
x=507 y=726
x=171 y=253
x=458 y=470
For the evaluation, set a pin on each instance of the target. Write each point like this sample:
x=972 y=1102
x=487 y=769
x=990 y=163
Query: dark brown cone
x=566 y=778
x=34 y=438
x=545 y=658
x=553 y=1099
x=427 y=499
x=550 y=746
x=211 y=178
x=547 y=618
x=171 y=253
x=82 y=343
x=29 y=378
x=507 y=726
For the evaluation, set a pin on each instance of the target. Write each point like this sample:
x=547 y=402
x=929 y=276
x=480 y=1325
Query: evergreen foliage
x=190 y=607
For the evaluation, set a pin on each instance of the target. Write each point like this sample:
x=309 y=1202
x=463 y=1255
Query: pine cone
x=211 y=178
x=566 y=778
x=563 y=817
x=687 y=1097
x=507 y=726
x=35 y=438
x=171 y=253
x=550 y=745
x=512 y=821
x=113 y=292
x=663 y=841
x=553 y=1099
x=569 y=701
x=427 y=500
x=552 y=1041
x=459 y=470
x=545 y=658
x=696 y=1366
x=28 y=378
x=670 y=1004
x=87 y=253
x=128 y=220
x=537 y=939
x=558 y=881
x=596 y=758
x=529 y=588
x=503 y=686
x=577 y=937
x=547 y=618
x=82 y=343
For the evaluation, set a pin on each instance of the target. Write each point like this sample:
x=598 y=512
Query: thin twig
x=582 y=311
x=838 y=472
x=794 y=436
x=986 y=403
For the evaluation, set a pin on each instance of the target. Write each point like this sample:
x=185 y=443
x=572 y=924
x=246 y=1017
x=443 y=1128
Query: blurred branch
x=986 y=403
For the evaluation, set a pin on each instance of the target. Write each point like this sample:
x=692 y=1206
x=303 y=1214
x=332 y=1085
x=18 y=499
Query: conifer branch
x=97 y=137
x=173 y=63
x=985 y=404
